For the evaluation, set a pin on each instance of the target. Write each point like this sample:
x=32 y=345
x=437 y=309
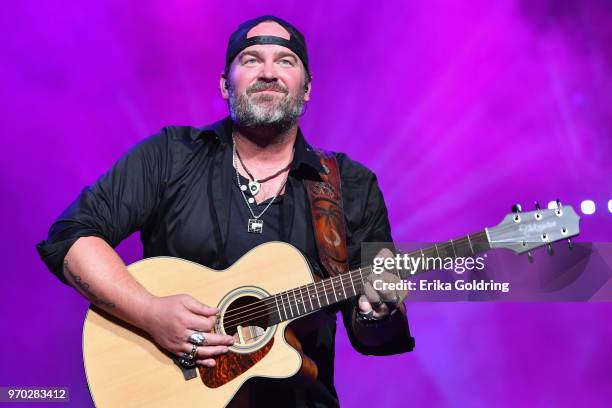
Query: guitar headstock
x=524 y=231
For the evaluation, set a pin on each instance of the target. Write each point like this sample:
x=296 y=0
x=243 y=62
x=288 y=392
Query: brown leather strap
x=325 y=199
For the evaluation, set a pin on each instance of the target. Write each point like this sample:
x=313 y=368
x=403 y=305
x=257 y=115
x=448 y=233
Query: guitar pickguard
x=231 y=365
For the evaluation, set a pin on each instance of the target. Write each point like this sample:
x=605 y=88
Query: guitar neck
x=309 y=298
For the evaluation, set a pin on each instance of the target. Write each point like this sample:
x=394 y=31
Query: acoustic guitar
x=258 y=296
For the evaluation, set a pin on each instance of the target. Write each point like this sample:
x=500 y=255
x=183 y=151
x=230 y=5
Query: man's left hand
x=374 y=302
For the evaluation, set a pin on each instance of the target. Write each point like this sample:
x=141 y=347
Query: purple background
x=461 y=109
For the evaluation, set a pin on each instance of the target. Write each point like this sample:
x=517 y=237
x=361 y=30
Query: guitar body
x=126 y=369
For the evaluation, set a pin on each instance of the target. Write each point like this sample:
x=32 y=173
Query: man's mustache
x=266 y=86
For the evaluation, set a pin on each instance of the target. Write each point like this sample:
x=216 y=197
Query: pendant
x=254 y=187
x=255 y=226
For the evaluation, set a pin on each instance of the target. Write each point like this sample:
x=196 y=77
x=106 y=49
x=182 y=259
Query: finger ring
x=188 y=359
x=194 y=350
x=379 y=303
x=366 y=315
x=185 y=362
x=197 y=338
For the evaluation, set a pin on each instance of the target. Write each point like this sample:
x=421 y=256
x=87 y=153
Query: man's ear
x=307 y=88
x=223 y=86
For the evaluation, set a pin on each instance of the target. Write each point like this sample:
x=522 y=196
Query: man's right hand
x=171 y=319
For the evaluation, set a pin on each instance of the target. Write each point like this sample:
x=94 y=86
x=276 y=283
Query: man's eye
x=286 y=62
x=249 y=61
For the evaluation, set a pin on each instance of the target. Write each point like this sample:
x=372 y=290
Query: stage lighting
x=610 y=205
x=551 y=205
x=587 y=207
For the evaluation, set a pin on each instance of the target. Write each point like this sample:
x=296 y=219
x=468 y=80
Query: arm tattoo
x=85 y=288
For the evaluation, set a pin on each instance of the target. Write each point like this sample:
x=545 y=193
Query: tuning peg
x=516 y=208
x=549 y=248
x=530 y=256
x=570 y=244
x=537 y=206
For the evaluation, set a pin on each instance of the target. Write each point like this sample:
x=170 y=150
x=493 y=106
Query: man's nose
x=268 y=71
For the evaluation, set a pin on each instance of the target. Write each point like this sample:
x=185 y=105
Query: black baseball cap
x=238 y=40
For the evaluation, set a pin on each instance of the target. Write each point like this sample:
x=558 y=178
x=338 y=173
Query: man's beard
x=255 y=110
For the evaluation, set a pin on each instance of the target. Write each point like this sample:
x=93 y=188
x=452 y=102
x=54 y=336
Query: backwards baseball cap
x=238 y=40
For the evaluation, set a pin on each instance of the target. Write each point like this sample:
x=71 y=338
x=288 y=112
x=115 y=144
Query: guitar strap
x=325 y=198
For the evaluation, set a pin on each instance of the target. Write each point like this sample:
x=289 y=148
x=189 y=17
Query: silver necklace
x=254 y=184
x=254 y=225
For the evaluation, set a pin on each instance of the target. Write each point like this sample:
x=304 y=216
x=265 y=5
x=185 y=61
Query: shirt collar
x=304 y=153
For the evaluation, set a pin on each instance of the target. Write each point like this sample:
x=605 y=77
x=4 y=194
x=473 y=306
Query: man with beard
x=211 y=194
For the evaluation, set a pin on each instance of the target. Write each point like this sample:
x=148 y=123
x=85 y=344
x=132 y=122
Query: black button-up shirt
x=176 y=189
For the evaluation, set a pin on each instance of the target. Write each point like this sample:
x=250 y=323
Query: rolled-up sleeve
x=119 y=203
x=370 y=225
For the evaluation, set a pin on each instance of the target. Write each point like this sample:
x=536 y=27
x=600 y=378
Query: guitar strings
x=271 y=303
x=443 y=246
x=265 y=304
x=290 y=300
x=322 y=286
x=289 y=293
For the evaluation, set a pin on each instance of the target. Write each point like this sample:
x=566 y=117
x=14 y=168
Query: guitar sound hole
x=246 y=319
